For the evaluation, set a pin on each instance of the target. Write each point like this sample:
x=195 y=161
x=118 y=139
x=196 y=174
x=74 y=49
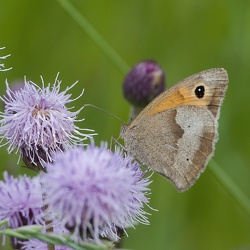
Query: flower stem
x=95 y=36
x=230 y=185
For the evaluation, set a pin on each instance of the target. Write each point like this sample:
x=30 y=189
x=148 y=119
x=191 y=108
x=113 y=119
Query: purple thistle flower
x=37 y=122
x=20 y=201
x=95 y=192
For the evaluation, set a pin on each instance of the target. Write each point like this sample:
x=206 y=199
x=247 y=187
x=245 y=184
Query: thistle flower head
x=20 y=200
x=143 y=83
x=37 y=122
x=96 y=192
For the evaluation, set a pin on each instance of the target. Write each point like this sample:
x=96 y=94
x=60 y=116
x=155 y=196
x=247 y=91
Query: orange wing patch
x=179 y=97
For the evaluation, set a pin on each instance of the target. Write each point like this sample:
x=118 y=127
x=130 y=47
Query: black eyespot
x=187 y=159
x=200 y=91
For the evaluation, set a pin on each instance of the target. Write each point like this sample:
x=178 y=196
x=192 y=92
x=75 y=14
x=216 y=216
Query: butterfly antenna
x=107 y=112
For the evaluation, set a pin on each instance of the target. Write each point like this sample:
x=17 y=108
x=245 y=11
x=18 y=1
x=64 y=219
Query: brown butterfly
x=175 y=134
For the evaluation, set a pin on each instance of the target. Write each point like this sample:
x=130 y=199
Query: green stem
x=230 y=185
x=95 y=36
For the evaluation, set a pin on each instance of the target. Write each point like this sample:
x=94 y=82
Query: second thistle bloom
x=95 y=192
x=37 y=122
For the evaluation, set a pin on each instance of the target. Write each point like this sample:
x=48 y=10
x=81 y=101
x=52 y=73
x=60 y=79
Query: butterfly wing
x=176 y=133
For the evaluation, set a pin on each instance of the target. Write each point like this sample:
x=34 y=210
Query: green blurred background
x=184 y=37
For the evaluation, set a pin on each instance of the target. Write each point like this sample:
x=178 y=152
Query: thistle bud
x=143 y=83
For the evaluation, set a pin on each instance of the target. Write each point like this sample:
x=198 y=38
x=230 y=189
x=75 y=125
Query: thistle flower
x=37 y=122
x=95 y=192
x=143 y=83
x=20 y=201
